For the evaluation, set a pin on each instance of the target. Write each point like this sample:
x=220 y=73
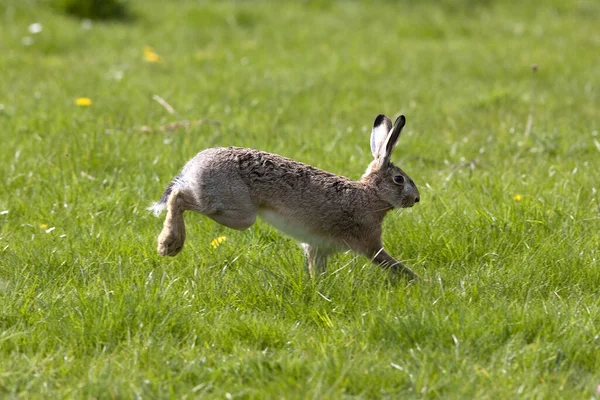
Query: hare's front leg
x=316 y=259
x=172 y=236
x=383 y=259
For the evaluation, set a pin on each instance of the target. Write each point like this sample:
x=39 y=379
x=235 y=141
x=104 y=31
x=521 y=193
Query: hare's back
x=305 y=202
x=271 y=176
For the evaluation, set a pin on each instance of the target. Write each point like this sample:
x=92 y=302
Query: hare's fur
x=325 y=212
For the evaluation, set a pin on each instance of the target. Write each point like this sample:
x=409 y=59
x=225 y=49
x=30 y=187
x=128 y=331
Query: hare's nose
x=417 y=199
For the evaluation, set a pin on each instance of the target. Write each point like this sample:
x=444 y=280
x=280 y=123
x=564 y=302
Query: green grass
x=509 y=304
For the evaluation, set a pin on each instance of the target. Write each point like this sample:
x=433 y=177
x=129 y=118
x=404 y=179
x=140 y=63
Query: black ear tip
x=400 y=121
x=379 y=120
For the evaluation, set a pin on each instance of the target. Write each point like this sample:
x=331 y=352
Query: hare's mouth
x=407 y=204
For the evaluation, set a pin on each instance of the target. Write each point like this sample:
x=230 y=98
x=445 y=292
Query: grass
x=506 y=236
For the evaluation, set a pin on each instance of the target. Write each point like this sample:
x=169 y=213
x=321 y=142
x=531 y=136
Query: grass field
x=506 y=235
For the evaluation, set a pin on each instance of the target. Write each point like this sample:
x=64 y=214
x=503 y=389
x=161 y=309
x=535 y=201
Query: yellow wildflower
x=517 y=197
x=150 y=55
x=83 y=101
x=44 y=226
x=217 y=241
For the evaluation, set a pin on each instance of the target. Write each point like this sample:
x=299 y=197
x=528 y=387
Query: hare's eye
x=398 y=179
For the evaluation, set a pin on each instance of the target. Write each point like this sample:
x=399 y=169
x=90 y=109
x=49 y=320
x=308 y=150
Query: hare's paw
x=170 y=243
x=401 y=271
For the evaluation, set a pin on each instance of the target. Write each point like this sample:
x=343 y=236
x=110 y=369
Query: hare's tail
x=161 y=205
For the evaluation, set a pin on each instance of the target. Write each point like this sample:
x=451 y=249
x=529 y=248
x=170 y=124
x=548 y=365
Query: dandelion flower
x=217 y=241
x=35 y=28
x=150 y=55
x=517 y=197
x=46 y=229
x=83 y=101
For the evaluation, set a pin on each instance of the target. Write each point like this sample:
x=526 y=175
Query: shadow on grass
x=100 y=10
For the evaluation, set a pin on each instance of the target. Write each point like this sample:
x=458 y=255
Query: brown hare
x=324 y=211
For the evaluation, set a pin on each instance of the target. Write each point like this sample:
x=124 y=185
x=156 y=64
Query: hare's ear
x=381 y=129
x=392 y=139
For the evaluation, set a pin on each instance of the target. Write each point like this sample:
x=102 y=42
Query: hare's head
x=391 y=183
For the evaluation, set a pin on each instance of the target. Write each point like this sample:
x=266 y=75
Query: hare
x=324 y=211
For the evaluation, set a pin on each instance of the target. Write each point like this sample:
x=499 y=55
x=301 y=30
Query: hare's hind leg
x=235 y=218
x=230 y=205
x=239 y=213
x=316 y=259
x=172 y=236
